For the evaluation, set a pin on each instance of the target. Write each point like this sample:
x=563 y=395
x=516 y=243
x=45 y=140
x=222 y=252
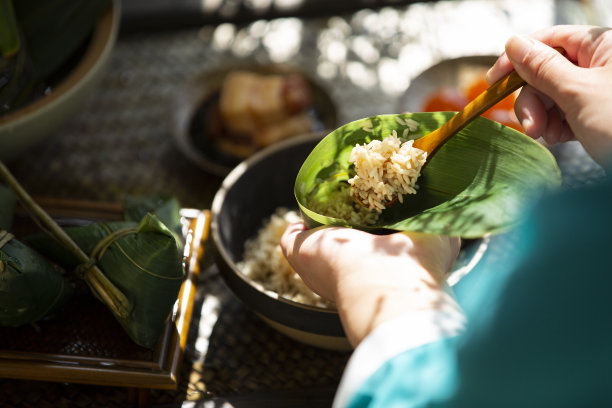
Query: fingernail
x=526 y=123
x=488 y=75
x=526 y=120
x=518 y=46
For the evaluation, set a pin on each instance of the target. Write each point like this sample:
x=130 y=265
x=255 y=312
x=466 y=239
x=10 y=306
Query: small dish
x=451 y=84
x=196 y=100
x=456 y=74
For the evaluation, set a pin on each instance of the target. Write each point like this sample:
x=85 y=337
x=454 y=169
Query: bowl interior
x=256 y=188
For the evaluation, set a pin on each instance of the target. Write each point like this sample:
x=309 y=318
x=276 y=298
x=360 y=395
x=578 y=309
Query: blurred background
x=364 y=54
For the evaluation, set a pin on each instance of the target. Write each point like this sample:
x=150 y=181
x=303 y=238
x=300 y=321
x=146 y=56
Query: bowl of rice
x=250 y=212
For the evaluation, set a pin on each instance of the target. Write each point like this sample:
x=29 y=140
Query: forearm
x=425 y=322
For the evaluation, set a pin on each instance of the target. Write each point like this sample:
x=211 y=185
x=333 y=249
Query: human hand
x=372 y=278
x=567 y=97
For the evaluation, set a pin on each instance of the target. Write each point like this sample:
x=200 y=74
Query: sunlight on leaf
x=479 y=182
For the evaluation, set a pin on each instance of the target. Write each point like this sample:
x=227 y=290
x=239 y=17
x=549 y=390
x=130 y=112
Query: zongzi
x=30 y=288
x=142 y=260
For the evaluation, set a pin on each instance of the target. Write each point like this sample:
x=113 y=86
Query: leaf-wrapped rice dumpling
x=142 y=260
x=30 y=288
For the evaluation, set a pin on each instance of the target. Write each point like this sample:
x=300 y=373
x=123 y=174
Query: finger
x=291 y=237
x=500 y=68
x=541 y=66
x=557 y=129
x=567 y=134
x=572 y=39
x=531 y=109
x=569 y=37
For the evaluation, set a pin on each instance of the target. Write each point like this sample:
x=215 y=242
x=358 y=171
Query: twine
x=98 y=252
x=5 y=237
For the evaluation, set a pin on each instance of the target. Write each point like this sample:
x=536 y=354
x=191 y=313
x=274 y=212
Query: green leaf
x=479 y=182
x=55 y=29
x=30 y=288
x=9 y=33
x=144 y=262
x=166 y=208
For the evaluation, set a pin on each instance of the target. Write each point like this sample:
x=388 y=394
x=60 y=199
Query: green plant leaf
x=55 y=29
x=9 y=33
x=30 y=288
x=479 y=182
x=165 y=207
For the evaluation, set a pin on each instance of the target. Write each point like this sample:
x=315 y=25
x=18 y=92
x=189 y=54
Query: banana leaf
x=30 y=288
x=479 y=182
x=142 y=260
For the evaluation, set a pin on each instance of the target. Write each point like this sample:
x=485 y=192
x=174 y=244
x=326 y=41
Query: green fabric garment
x=540 y=324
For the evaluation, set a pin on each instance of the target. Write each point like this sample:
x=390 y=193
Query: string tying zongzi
x=100 y=248
x=5 y=237
x=142 y=260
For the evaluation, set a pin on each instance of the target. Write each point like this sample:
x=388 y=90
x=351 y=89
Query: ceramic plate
x=455 y=73
x=193 y=109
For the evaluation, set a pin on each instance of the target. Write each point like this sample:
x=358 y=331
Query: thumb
x=541 y=66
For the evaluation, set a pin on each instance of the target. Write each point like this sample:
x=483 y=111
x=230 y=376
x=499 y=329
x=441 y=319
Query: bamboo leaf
x=55 y=29
x=30 y=288
x=9 y=33
x=479 y=182
x=166 y=208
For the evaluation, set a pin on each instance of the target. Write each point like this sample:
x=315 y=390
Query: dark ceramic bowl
x=249 y=194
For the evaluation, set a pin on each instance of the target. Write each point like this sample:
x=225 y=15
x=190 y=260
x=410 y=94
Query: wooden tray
x=85 y=344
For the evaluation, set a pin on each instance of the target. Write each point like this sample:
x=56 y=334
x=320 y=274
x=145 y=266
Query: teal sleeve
x=539 y=324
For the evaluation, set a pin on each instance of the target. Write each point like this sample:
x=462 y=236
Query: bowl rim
x=100 y=45
x=407 y=101
x=219 y=199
